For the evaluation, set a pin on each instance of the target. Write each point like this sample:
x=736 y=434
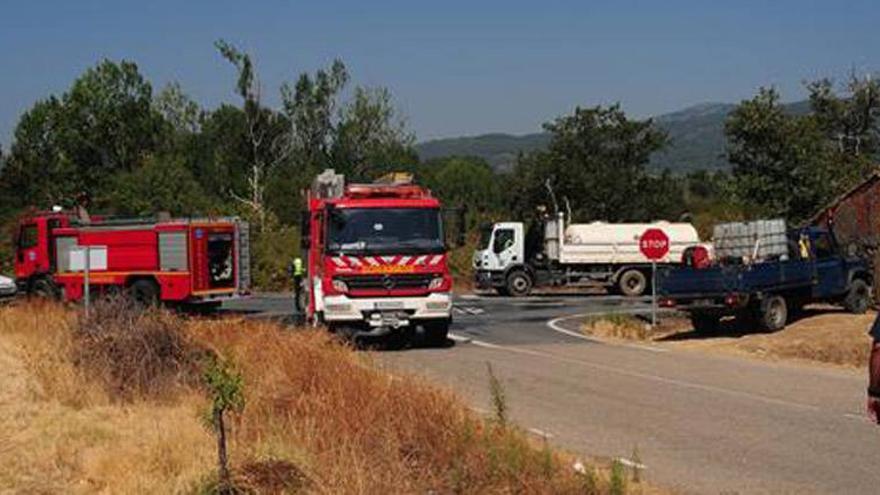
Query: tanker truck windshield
x=385 y=230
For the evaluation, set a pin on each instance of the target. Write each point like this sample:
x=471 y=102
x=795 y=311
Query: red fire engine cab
x=155 y=259
x=377 y=258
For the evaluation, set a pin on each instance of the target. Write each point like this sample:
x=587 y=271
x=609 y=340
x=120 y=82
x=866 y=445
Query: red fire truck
x=377 y=261
x=155 y=259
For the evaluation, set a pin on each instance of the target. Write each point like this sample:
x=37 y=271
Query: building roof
x=868 y=182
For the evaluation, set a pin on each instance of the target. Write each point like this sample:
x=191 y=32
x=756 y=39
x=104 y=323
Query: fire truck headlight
x=436 y=283
x=339 y=285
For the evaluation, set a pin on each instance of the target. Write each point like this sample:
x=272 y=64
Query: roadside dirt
x=822 y=335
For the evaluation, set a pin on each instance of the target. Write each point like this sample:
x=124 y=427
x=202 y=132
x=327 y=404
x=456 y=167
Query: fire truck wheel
x=632 y=283
x=436 y=332
x=144 y=292
x=44 y=288
x=858 y=299
x=519 y=283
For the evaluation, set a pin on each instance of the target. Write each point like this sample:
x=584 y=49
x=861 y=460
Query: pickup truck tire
x=705 y=323
x=519 y=283
x=632 y=282
x=858 y=298
x=773 y=313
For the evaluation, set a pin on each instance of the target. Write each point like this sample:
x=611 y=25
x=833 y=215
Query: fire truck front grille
x=387 y=282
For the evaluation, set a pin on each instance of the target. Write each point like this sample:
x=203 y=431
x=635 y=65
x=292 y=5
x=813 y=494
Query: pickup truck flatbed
x=769 y=291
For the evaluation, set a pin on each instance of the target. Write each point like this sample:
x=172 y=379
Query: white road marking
x=473 y=311
x=466 y=296
x=644 y=376
x=540 y=433
x=628 y=463
x=858 y=417
x=459 y=338
x=555 y=326
x=458 y=311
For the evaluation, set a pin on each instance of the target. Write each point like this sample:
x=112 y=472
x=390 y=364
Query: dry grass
x=823 y=335
x=60 y=432
x=318 y=418
x=628 y=327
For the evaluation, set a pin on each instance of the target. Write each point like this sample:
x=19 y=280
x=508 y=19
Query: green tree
x=265 y=132
x=371 y=137
x=37 y=172
x=782 y=164
x=464 y=182
x=596 y=161
x=163 y=183
x=75 y=144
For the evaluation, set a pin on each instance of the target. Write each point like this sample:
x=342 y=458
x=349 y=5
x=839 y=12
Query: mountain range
x=696 y=136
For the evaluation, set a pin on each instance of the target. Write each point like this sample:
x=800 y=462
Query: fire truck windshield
x=385 y=230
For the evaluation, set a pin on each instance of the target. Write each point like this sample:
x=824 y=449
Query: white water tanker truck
x=513 y=262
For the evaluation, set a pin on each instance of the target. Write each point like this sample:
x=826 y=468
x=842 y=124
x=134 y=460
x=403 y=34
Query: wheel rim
x=520 y=284
x=777 y=313
x=633 y=283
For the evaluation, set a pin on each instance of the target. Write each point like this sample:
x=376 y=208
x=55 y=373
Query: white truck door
x=508 y=245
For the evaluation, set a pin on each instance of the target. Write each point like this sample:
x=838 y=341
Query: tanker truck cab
x=500 y=260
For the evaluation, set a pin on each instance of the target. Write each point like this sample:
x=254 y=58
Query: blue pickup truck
x=769 y=292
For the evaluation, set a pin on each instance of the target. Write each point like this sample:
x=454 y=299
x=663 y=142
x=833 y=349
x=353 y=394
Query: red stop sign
x=654 y=244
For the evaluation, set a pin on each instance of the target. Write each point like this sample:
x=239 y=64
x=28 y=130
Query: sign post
x=86 y=274
x=654 y=245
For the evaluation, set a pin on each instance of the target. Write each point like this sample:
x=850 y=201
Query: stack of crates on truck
x=751 y=241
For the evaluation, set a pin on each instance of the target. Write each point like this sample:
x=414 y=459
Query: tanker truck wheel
x=632 y=282
x=519 y=283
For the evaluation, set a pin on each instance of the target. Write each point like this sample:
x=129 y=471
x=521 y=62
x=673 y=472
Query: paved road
x=702 y=424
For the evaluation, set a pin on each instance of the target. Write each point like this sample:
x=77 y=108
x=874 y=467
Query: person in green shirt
x=298 y=272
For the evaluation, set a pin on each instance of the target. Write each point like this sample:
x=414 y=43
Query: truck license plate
x=389 y=305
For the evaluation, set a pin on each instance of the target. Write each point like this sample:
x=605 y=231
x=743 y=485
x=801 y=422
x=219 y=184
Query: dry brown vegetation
x=79 y=414
x=822 y=335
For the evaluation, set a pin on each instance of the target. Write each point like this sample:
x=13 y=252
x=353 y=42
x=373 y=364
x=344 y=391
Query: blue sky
x=454 y=67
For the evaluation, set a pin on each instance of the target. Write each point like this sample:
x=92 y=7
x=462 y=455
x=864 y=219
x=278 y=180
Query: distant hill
x=696 y=134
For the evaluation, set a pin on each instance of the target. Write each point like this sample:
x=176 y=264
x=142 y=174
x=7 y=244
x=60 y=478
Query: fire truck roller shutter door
x=173 y=252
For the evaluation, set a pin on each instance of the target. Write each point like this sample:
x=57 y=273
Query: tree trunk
x=224 y=487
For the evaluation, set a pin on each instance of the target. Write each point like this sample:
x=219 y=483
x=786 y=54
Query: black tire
x=144 y=292
x=858 y=298
x=773 y=313
x=632 y=283
x=519 y=283
x=705 y=323
x=437 y=332
x=44 y=288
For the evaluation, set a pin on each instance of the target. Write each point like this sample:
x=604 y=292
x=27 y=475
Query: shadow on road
x=736 y=328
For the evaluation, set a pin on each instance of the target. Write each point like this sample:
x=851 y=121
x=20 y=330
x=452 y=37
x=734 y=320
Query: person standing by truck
x=874 y=372
x=298 y=273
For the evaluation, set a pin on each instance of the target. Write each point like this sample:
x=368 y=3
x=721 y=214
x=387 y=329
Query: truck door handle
x=513 y=258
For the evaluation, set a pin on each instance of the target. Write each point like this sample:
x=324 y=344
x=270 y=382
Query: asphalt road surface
x=700 y=423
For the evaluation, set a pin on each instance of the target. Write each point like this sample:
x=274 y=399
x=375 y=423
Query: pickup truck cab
x=770 y=291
